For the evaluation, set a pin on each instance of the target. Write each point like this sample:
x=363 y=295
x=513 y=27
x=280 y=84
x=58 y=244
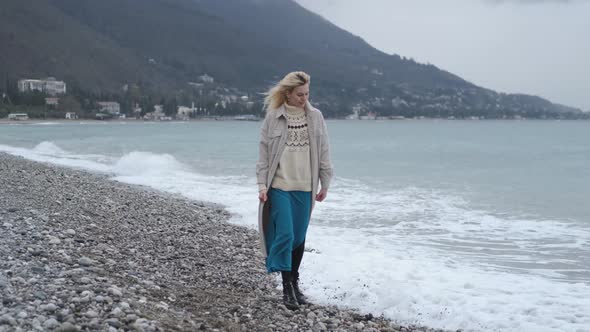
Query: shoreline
x=84 y=252
x=133 y=120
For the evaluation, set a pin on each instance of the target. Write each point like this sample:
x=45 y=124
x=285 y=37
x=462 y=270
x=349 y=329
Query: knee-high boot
x=297 y=256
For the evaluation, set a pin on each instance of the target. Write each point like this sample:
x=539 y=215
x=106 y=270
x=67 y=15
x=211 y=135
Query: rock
x=84 y=280
x=37 y=270
x=85 y=261
x=19 y=280
x=87 y=293
x=321 y=326
x=115 y=291
x=49 y=307
x=117 y=312
x=91 y=314
x=67 y=327
x=50 y=324
x=12 y=209
x=22 y=315
x=54 y=240
x=113 y=322
x=6 y=319
x=143 y=324
x=70 y=231
x=3 y=281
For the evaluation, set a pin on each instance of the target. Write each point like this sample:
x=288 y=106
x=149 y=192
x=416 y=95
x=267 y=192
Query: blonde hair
x=277 y=95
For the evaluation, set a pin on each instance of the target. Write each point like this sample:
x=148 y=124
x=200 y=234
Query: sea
x=473 y=225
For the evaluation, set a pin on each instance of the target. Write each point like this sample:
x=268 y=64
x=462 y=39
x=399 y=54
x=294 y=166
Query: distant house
x=369 y=116
x=157 y=114
x=206 y=78
x=71 y=116
x=49 y=86
x=18 y=116
x=136 y=111
x=51 y=101
x=356 y=111
x=111 y=107
x=184 y=112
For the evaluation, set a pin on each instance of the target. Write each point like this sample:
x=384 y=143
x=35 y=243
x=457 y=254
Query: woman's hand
x=262 y=195
x=321 y=195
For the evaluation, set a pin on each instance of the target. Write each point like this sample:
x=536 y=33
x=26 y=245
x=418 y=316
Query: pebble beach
x=80 y=252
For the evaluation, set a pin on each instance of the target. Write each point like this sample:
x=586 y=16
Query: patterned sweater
x=294 y=171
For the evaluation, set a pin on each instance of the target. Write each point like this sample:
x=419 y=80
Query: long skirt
x=289 y=218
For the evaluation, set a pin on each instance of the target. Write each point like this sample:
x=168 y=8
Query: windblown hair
x=277 y=95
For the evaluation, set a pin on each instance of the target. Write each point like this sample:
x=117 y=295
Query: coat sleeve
x=263 y=161
x=326 y=170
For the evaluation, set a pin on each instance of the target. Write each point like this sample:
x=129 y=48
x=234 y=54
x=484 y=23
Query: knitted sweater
x=294 y=170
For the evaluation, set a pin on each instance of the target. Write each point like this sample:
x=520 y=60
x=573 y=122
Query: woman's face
x=298 y=97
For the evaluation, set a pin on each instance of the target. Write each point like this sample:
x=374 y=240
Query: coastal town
x=206 y=99
x=48 y=94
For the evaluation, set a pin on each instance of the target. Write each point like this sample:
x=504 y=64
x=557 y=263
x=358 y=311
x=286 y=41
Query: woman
x=294 y=158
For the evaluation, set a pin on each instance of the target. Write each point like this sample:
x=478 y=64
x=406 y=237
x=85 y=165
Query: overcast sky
x=539 y=47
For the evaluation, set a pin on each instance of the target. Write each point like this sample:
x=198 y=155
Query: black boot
x=297 y=256
x=301 y=299
x=289 y=299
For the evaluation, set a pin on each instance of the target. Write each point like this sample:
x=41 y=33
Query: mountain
x=161 y=45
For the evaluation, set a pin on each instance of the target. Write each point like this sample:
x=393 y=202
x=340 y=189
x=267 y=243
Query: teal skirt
x=289 y=218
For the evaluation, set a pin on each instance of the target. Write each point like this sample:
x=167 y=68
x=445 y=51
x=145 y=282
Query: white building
x=71 y=116
x=52 y=101
x=111 y=107
x=136 y=111
x=49 y=86
x=206 y=78
x=369 y=116
x=185 y=112
x=157 y=114
x=18 y=116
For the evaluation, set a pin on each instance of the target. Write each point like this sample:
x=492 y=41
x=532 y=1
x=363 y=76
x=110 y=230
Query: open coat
x=273 y=137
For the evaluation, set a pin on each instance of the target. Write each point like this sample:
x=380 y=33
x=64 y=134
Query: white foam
x=139 y=163
x=48 y=148
x=45 y=123
x=48 y=152
x=410 y=284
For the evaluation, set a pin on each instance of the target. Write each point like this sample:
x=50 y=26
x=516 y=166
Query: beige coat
x=273 y=137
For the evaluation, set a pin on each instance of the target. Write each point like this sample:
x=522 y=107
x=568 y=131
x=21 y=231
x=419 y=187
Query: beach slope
x=82 y=252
